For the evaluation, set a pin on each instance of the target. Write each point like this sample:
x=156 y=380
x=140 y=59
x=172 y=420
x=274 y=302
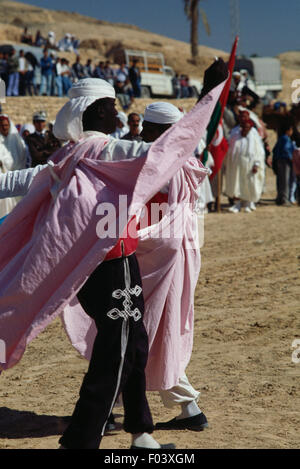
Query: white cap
x=92 y=87
x=122 y=117
x=39 y=116
x=162 y=113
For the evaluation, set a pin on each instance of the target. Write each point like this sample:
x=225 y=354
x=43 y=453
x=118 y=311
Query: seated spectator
x=109 y=73
x=78 y=69
x=42 y=143
x=65 y=44
x=51 y=41
x=122 y=73
x=40 y=41
x=26 y=38
x=127 y=88
x=75 y=44
x=122 y=95
x=88 y=69
x=99 y=71
x=134 y=128
x=66 y=76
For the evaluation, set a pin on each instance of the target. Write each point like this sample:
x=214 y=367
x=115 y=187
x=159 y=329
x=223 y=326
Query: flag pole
x=219 y=188
x=225 y=97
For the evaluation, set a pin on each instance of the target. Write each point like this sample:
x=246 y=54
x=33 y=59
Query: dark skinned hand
x=213 y=76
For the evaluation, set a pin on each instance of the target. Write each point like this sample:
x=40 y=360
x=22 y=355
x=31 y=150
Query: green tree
x=192 y=11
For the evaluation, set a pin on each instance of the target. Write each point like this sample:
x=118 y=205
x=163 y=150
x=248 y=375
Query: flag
x=215 y=135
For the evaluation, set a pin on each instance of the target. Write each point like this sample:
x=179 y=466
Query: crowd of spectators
x=68 y=43
x=53 y=75
x=181 y=86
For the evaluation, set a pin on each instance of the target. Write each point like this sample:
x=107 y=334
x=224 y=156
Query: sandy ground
x=246 y=318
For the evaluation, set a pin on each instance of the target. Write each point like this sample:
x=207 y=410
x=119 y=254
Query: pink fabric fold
x=52 y=246
x=170 y=267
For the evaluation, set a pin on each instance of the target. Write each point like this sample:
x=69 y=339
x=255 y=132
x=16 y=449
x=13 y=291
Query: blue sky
x=268 y=27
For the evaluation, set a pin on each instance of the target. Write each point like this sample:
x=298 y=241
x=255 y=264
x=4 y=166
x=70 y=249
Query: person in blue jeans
x=282 y=165
x=46 y=74
x=13 y=74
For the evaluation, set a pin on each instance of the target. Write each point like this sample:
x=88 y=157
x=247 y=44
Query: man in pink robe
x=49 y=260
x=170 y=268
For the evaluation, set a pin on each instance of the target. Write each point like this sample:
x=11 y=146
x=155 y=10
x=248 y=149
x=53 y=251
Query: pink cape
x=52 y=246
x=170 y=268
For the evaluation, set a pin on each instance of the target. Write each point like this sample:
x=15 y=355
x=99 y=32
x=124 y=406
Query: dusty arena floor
x=246 y=318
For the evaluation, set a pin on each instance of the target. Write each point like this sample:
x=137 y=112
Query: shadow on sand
x=16 y=424
x=23 y=424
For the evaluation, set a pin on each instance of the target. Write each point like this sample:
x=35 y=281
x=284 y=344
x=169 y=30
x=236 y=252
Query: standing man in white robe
x=12 y=157
x=245 y=163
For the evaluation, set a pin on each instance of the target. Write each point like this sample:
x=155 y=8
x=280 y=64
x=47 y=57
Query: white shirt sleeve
x=16 y=183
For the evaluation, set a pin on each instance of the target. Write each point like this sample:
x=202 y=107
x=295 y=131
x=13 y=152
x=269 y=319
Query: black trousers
x=113 y=297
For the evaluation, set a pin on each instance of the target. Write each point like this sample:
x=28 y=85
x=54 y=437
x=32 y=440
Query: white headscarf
x=68 y=122
x=122 y=117
x=119 y=133
x=15 y=146
x=162 y=113
x=29 y=127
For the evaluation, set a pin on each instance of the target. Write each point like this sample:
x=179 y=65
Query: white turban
x=122 y=117
x=29 y=127
x=68 y=122
x=162 y=113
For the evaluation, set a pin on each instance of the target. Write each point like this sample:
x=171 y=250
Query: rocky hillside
x=99 y=39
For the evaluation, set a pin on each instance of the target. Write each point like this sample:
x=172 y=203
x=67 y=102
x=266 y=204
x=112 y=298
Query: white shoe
x=235 y=208
x=248 y=210
x=252 y=206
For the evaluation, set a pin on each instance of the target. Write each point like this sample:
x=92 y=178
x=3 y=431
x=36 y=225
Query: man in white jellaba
x=12 y=157
x=245 y=163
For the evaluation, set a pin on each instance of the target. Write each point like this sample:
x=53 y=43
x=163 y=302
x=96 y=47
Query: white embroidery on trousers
x=115 y=314
x=127 y=312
